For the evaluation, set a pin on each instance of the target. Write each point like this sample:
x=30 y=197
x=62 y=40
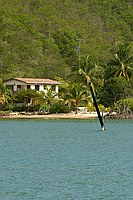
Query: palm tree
x=49 y=96
x=25 y=96
x=86 y=64
x=122 y=63
x=85 y=67
x=46 y=96
x=90 y=71
x=4 y=94
x=86 y=77
x=76 y=94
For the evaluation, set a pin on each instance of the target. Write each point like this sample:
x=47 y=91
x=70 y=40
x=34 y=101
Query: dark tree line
x=44 y=39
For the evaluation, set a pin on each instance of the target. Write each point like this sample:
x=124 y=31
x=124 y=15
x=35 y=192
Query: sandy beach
x=52 y=116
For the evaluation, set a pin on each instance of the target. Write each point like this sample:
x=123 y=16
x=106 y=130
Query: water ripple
x=66 y=160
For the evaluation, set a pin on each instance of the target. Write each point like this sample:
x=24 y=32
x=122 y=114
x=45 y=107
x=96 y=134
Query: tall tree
x=122 y=63
x=65 y=39
x=76 y=94
x=86 y=65
x=114 y=89
x=47 y=97
x=90 y=71
x=5 y=94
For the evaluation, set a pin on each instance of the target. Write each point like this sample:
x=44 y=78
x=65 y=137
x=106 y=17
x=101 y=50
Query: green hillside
x=40 y=38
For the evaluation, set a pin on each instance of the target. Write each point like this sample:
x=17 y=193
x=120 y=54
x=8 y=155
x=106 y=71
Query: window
x=45 y=87
x=10 y=87
x=18 y=87
x=37 y=87
x=28 y=87
x=53 y=87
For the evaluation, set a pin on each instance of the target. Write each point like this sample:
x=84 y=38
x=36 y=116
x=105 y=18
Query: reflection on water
x=66 y=160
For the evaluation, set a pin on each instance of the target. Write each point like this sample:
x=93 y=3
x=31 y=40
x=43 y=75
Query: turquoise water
x=66 y=160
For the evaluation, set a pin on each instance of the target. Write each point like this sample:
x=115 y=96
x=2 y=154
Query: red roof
x=36 y=81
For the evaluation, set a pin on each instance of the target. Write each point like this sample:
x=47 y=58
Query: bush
x=6 y=107
x=59 y=107
x=130 y=103
x=32 y=108
x=124 y=106
x=90 y=107
x=4 y=113
x=18 y=109
x=114 y=89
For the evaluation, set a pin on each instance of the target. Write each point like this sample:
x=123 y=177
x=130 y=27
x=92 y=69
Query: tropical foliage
x=122 y=63
x=76 y=94
x=113 y=90
x=40 y=38
x=47 y=97
x=73 y=41
x=4 y=94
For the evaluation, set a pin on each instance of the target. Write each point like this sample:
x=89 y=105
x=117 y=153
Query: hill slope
x=39 y=37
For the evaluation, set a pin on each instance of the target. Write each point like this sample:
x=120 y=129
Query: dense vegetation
x=54 y=39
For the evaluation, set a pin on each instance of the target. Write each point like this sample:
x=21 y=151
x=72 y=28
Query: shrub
x=90 y=107
x=6 y=107
x=124 y=106
x=130 y=103
x=32 y=108
x=4 y=113
x=59 y=107
x=18 y=109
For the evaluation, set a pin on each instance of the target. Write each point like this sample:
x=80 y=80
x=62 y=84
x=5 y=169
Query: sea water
x=66 y=160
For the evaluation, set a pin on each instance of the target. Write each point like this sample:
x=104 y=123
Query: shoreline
x=52 y=116
x=92 y=115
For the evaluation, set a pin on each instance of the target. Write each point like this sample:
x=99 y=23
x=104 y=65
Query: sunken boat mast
x=96 y=106
x=94 y=98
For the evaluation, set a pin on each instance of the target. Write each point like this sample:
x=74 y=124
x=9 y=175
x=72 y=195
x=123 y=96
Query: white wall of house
x=32 y=87
x=48 y=86
x=16 y=84
x=21 y=85
x=41 y=88
x=56 y=89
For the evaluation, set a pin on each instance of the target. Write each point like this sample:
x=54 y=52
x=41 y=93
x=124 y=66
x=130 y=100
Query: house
x=16 y=84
